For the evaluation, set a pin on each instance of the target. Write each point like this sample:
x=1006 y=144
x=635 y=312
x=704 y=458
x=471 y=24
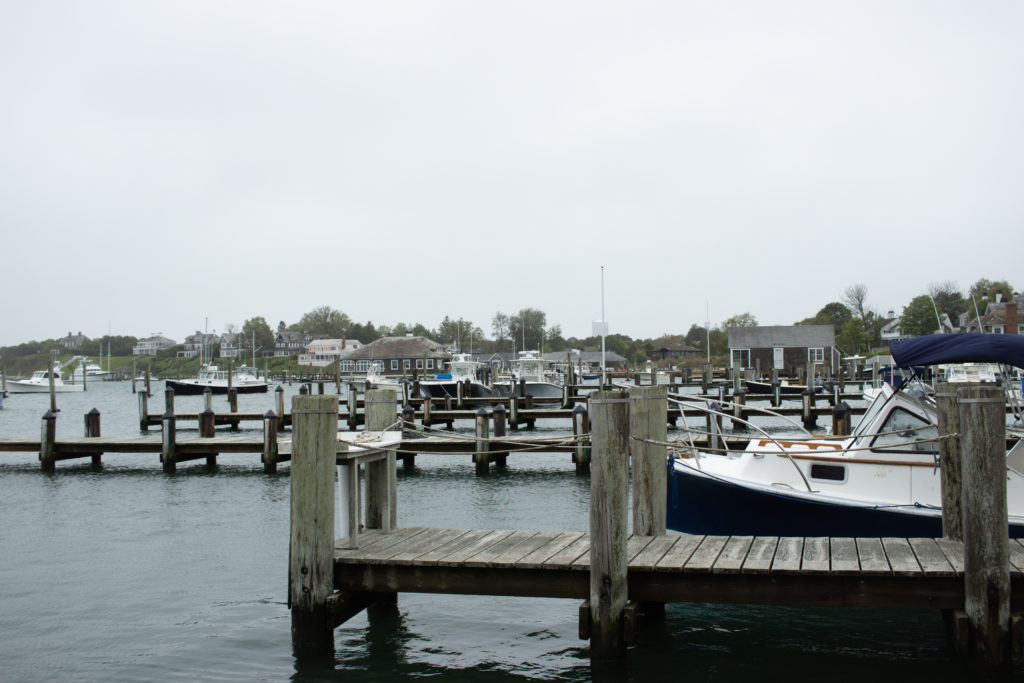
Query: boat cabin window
x=828 y=472
x=904 y=432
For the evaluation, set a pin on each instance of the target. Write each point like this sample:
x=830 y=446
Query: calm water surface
x=122 y=572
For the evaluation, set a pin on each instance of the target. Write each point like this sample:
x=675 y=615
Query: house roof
x=781 y=335
x=399 y=347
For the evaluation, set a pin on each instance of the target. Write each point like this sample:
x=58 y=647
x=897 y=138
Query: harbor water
x=120 y=572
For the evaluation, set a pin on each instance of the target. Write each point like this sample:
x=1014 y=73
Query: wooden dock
x=619 y=575
x=832 y=572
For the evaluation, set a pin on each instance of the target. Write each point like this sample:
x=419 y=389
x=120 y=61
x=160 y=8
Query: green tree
x=833 y=313
x=264 y=336
x=852 y=338
x=527 y=327
x=919 y=317
x=740 y=320
x=948 y=299
x=553 y=339
x=500 y=327
x=983 y=292
x=324 y=320
x=461 y=332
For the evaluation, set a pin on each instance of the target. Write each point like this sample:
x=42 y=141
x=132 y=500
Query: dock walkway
x=868 y=572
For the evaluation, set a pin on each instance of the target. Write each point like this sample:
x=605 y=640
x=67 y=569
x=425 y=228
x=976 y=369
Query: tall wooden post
x=513 y=412
x=499 y=415
x=48 y=442
x=279 y=407
x=143 y=411
x=705 y=378
x=53 y=390
x=481 y=452
x=986 y=541
x=947 y=413
x=208 y=399
x=841 y=419
x=408 y=424
x=207 y=430
x=609 y=481
x=353 y=407
x=270 y=449
x=169 y=449
x=168 y=400
x=426 y=419
x=581 y=430
x=134 y=373
x=648 y=423
x=311 y=546
x=92 y=430
x=149 y=388
x=381 y=475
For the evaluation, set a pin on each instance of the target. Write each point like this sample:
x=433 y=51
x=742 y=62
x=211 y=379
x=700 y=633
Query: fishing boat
x=532 y=370
x=883 y=480
x=90 y=371
x=461 y=370
x=244 y=379
x=39 y=383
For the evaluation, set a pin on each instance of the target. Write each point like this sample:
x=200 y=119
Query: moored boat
x=39 y=383
x=883 y=480
x=244 y=379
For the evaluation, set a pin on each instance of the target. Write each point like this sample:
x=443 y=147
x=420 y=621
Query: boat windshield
x=904 y=432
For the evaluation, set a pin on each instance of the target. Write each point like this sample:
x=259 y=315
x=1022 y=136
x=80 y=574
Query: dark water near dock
x=125 y=573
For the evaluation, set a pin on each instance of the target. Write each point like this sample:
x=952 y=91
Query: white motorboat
x=244 y=379
x=883 y=480
x=533 y=371
x=90 y=371
x=462 y=370
x=39 y=383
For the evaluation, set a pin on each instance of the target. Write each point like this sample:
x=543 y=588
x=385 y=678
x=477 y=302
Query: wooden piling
x=986 y=541
x=426 y=421
x=499 y=415
x=581 y=431
x=481 y=455
x=208 y=399
x=143 y=411
x=169 y=449
x=311 y=543
x=208 y=430
x=841 y=419
x=947 y=414
x=270 y=448
x=168 y=400
x=739 y=411
x=352 y=401
x=409 y=424
x=609 y=481
x=92 y=430
x=48 y=442
x=134 y=374
x=513 y=412
x=53 y=390
x=279 y=404
x=705 y=378
x=381 y=475
x=648 y=432
x=149 y=388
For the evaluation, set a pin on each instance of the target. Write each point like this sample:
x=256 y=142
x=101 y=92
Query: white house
x=323 y=352
x=149 y=346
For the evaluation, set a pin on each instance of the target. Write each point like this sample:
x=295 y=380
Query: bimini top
x=933 y=349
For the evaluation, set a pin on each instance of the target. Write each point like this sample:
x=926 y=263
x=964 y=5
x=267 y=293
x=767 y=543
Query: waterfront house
x=289 y=343
x=1001 y=317
x=323 y=352
x=73 y=341
x=787 y=348
x=230 y=345
x=399 y=355
x=195 y=343
x=674 y=352
x=150 y=345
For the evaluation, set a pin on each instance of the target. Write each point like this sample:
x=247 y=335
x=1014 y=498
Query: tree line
x=857 y=324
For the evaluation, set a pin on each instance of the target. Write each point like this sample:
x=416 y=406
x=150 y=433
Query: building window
x=997 y=329
x=363 y=365
x=406 y=364
x=419 y=363
x=394 y=364
x=348 y=366
x=741 y=356
x=430 y=364
x=816 y=355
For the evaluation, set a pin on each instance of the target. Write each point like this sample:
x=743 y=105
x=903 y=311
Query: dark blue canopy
x=933 y=349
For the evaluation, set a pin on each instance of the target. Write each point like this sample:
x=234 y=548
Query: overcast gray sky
x=164 y=163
